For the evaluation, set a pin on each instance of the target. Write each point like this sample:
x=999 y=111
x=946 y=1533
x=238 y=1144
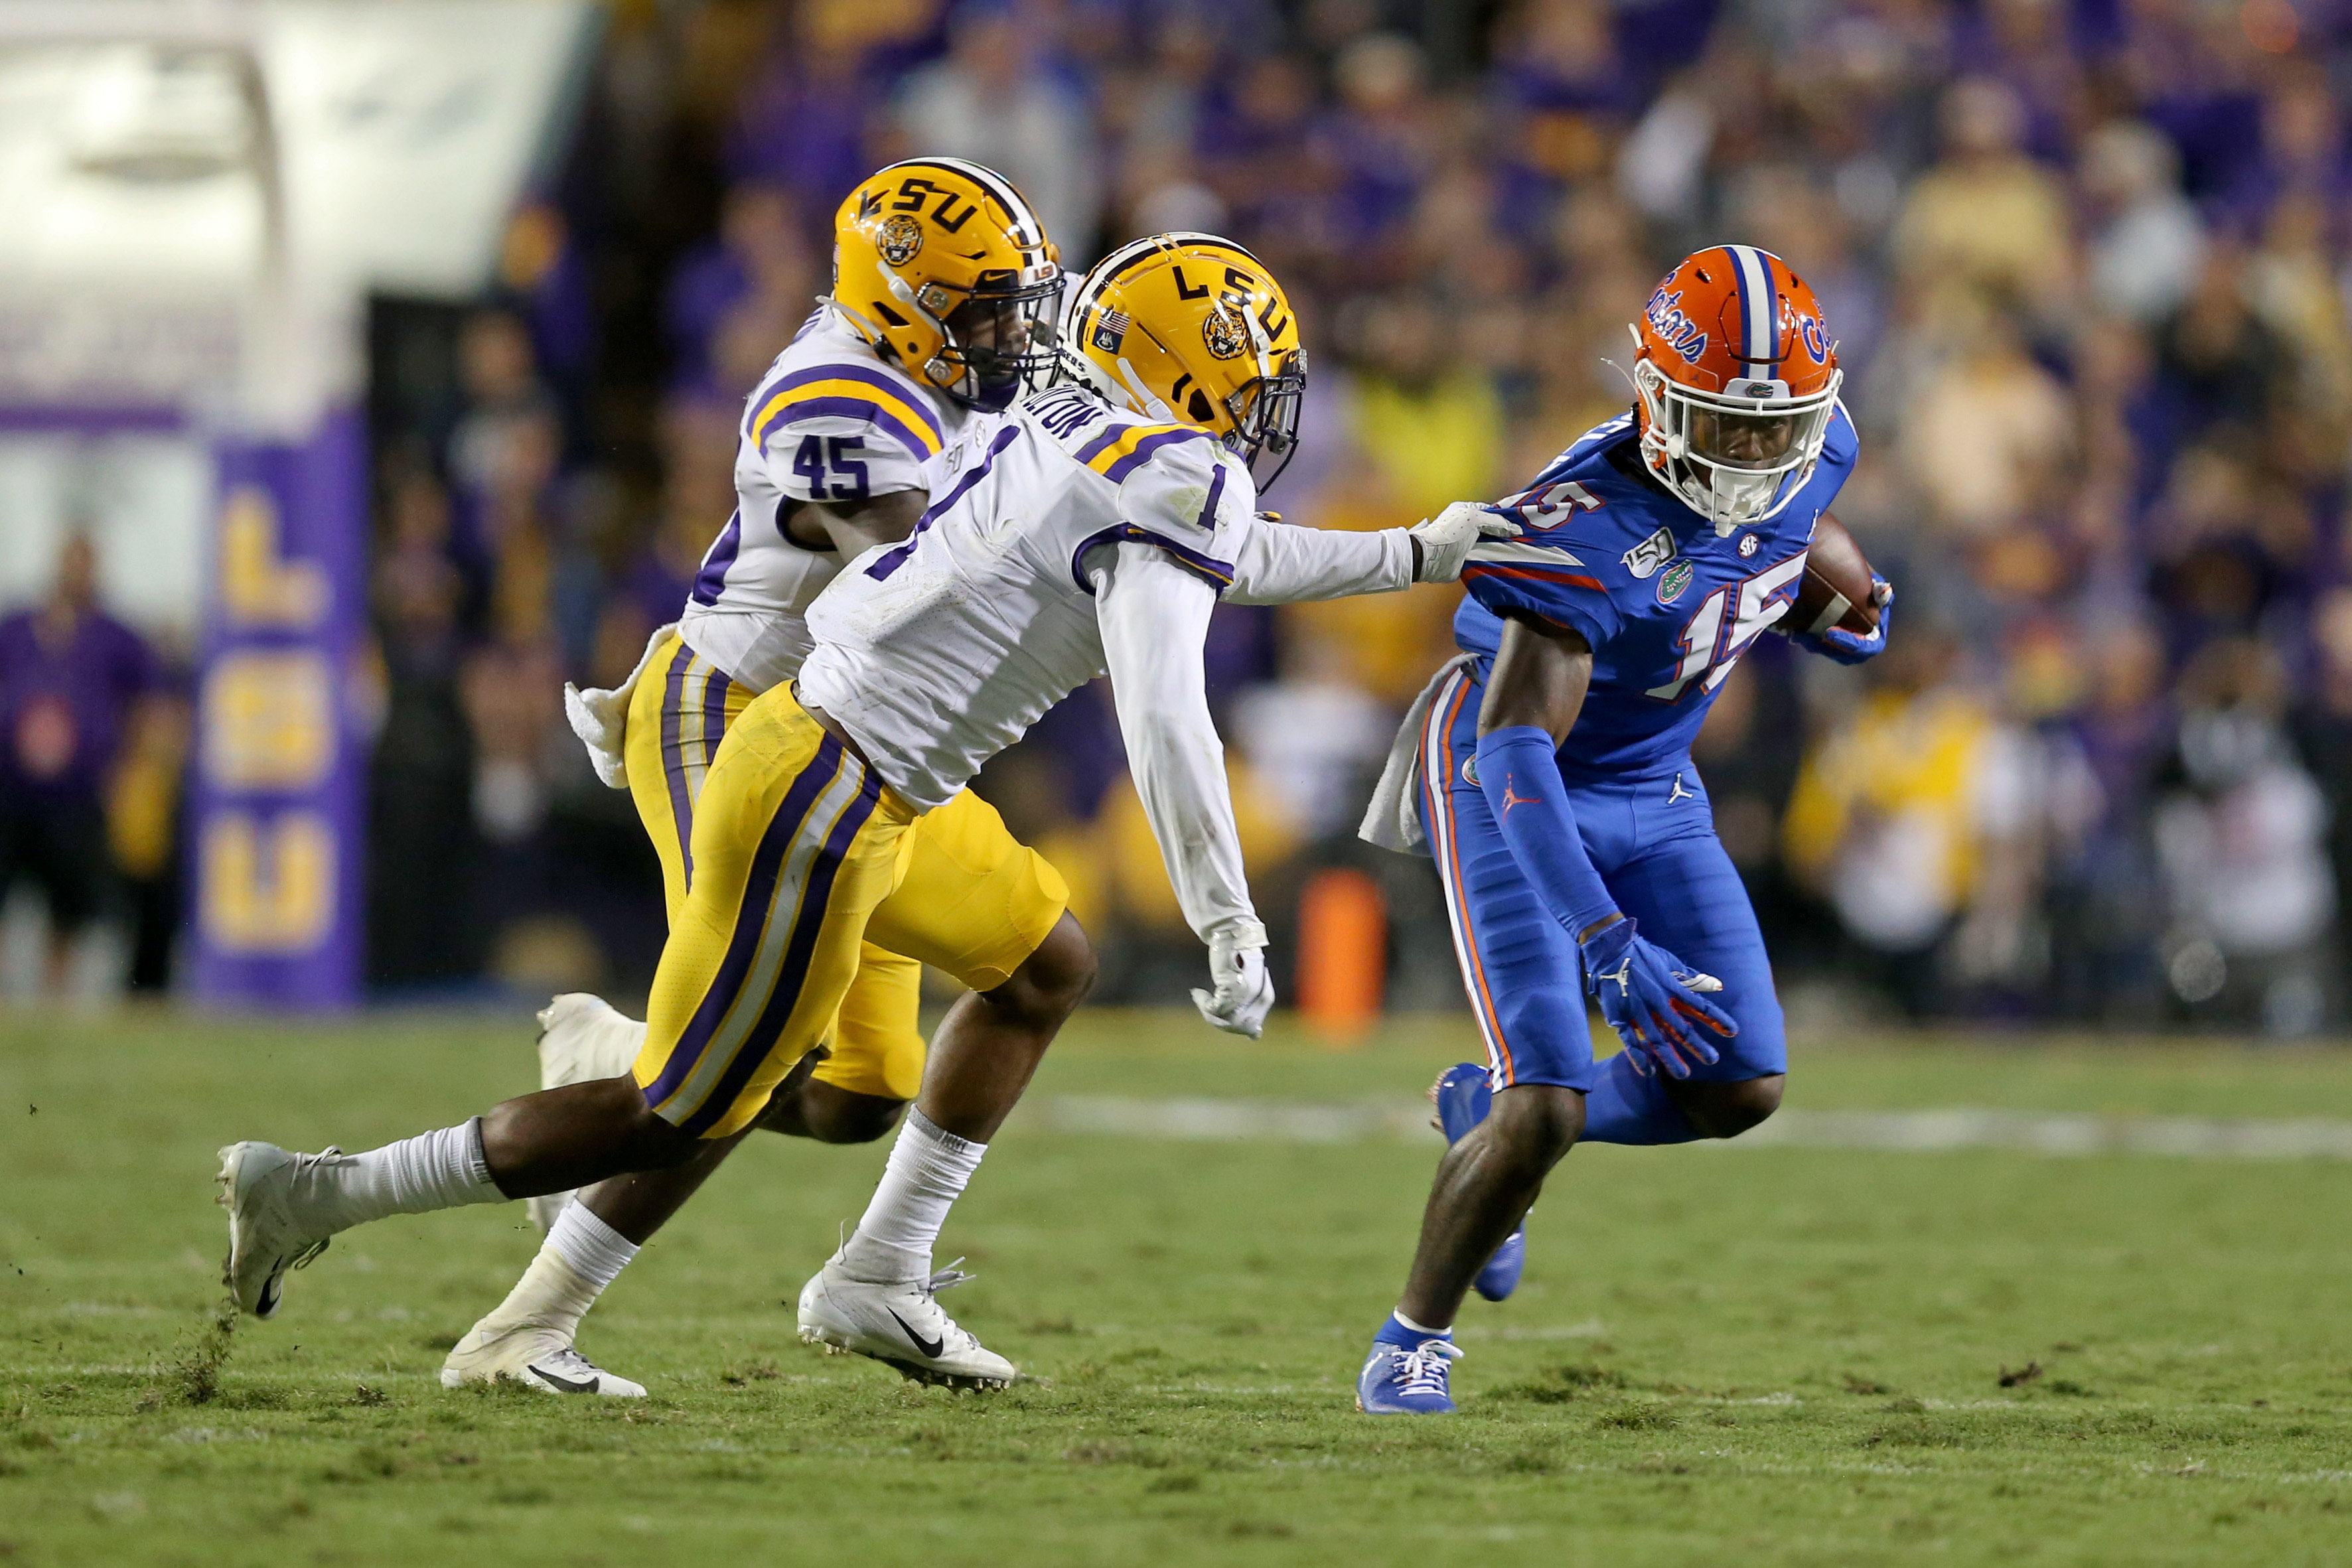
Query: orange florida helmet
x=1736 y=377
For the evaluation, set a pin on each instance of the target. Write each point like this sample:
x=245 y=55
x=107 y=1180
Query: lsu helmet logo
x=900 y=238
x=1224 y=331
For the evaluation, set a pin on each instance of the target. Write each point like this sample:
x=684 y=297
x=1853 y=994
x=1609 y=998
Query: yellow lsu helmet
x=1193 y=328
x=944 y=268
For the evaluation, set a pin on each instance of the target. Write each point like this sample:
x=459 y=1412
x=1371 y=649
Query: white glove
x=1447 y=539
x=1244 y=993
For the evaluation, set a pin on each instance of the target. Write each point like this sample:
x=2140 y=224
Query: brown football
x=1836 y=589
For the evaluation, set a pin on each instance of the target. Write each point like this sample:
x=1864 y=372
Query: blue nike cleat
x=1398 y=1380
x=1500 y=1277
x=1463 y=1095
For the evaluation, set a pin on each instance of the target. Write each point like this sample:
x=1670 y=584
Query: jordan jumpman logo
x=1513 y=798
x=1679 y=793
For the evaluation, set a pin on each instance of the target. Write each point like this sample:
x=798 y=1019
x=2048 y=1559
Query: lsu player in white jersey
x=944 y=291
x=1089 y=528
x=1093 y=528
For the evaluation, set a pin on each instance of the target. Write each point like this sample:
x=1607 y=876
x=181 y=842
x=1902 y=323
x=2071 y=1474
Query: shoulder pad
x=1179 y=478
x=1842 y=443
x=843 y=388
x=1118 y=453
x=1549 y=503
x=1588 y=447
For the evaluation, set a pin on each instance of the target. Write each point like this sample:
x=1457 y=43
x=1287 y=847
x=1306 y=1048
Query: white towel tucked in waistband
x=1391 y=820
x=601 y=719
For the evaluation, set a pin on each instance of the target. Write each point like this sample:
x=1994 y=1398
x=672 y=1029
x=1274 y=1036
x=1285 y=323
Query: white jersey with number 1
x=938 y=652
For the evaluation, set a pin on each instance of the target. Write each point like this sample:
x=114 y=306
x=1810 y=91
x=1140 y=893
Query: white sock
x=444 y=1169
x=1405 y=1322
x=925 y=1174
x=596 y=1252
x=581 y=1257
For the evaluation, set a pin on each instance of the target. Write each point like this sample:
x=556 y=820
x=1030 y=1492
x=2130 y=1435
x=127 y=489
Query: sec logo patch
x=1673 y=580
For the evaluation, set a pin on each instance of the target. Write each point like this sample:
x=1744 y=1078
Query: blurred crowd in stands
x=93 y=742
x=2087 y=262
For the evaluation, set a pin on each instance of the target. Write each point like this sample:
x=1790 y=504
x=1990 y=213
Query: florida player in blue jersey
x=1547 y=771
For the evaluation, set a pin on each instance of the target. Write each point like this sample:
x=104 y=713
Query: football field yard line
x=1903 y=1132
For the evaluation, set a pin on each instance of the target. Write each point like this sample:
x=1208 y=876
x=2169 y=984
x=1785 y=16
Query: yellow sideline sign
x=259 y=587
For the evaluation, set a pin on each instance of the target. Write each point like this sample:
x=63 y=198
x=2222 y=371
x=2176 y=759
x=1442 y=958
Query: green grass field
x=1769 y=1355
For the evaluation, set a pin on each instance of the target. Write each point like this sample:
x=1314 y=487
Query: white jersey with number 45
x=831 y=421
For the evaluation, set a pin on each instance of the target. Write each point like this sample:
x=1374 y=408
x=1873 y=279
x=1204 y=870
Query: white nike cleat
x=581 y=1037
x=535 y=1356
x=900 y=1323
x=268 y=1232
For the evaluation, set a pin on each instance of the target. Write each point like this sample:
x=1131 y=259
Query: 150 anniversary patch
x=1644 y=559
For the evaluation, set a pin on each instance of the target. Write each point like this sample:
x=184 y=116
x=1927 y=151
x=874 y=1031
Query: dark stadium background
x=2088 y=264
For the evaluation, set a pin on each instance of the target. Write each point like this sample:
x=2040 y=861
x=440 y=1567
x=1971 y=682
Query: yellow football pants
x=970 y=898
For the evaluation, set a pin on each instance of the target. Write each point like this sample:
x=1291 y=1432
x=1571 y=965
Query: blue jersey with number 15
x=1668 y=606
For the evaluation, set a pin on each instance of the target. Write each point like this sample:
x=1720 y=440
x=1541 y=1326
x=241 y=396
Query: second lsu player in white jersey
x=944 y=290
x=1091 y=530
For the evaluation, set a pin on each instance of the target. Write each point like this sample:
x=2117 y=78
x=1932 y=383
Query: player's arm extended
x=1283 y=563
x=1277 y=563
x=1154 y=617
x=1533 y=695
x=852 y=528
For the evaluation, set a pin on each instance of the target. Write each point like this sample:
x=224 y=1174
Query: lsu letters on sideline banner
x=276 y=830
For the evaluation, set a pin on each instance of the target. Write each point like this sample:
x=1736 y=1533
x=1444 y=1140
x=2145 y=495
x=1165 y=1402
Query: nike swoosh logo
x=273 y=1285
x=929 y=1347
x=565 y=1384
